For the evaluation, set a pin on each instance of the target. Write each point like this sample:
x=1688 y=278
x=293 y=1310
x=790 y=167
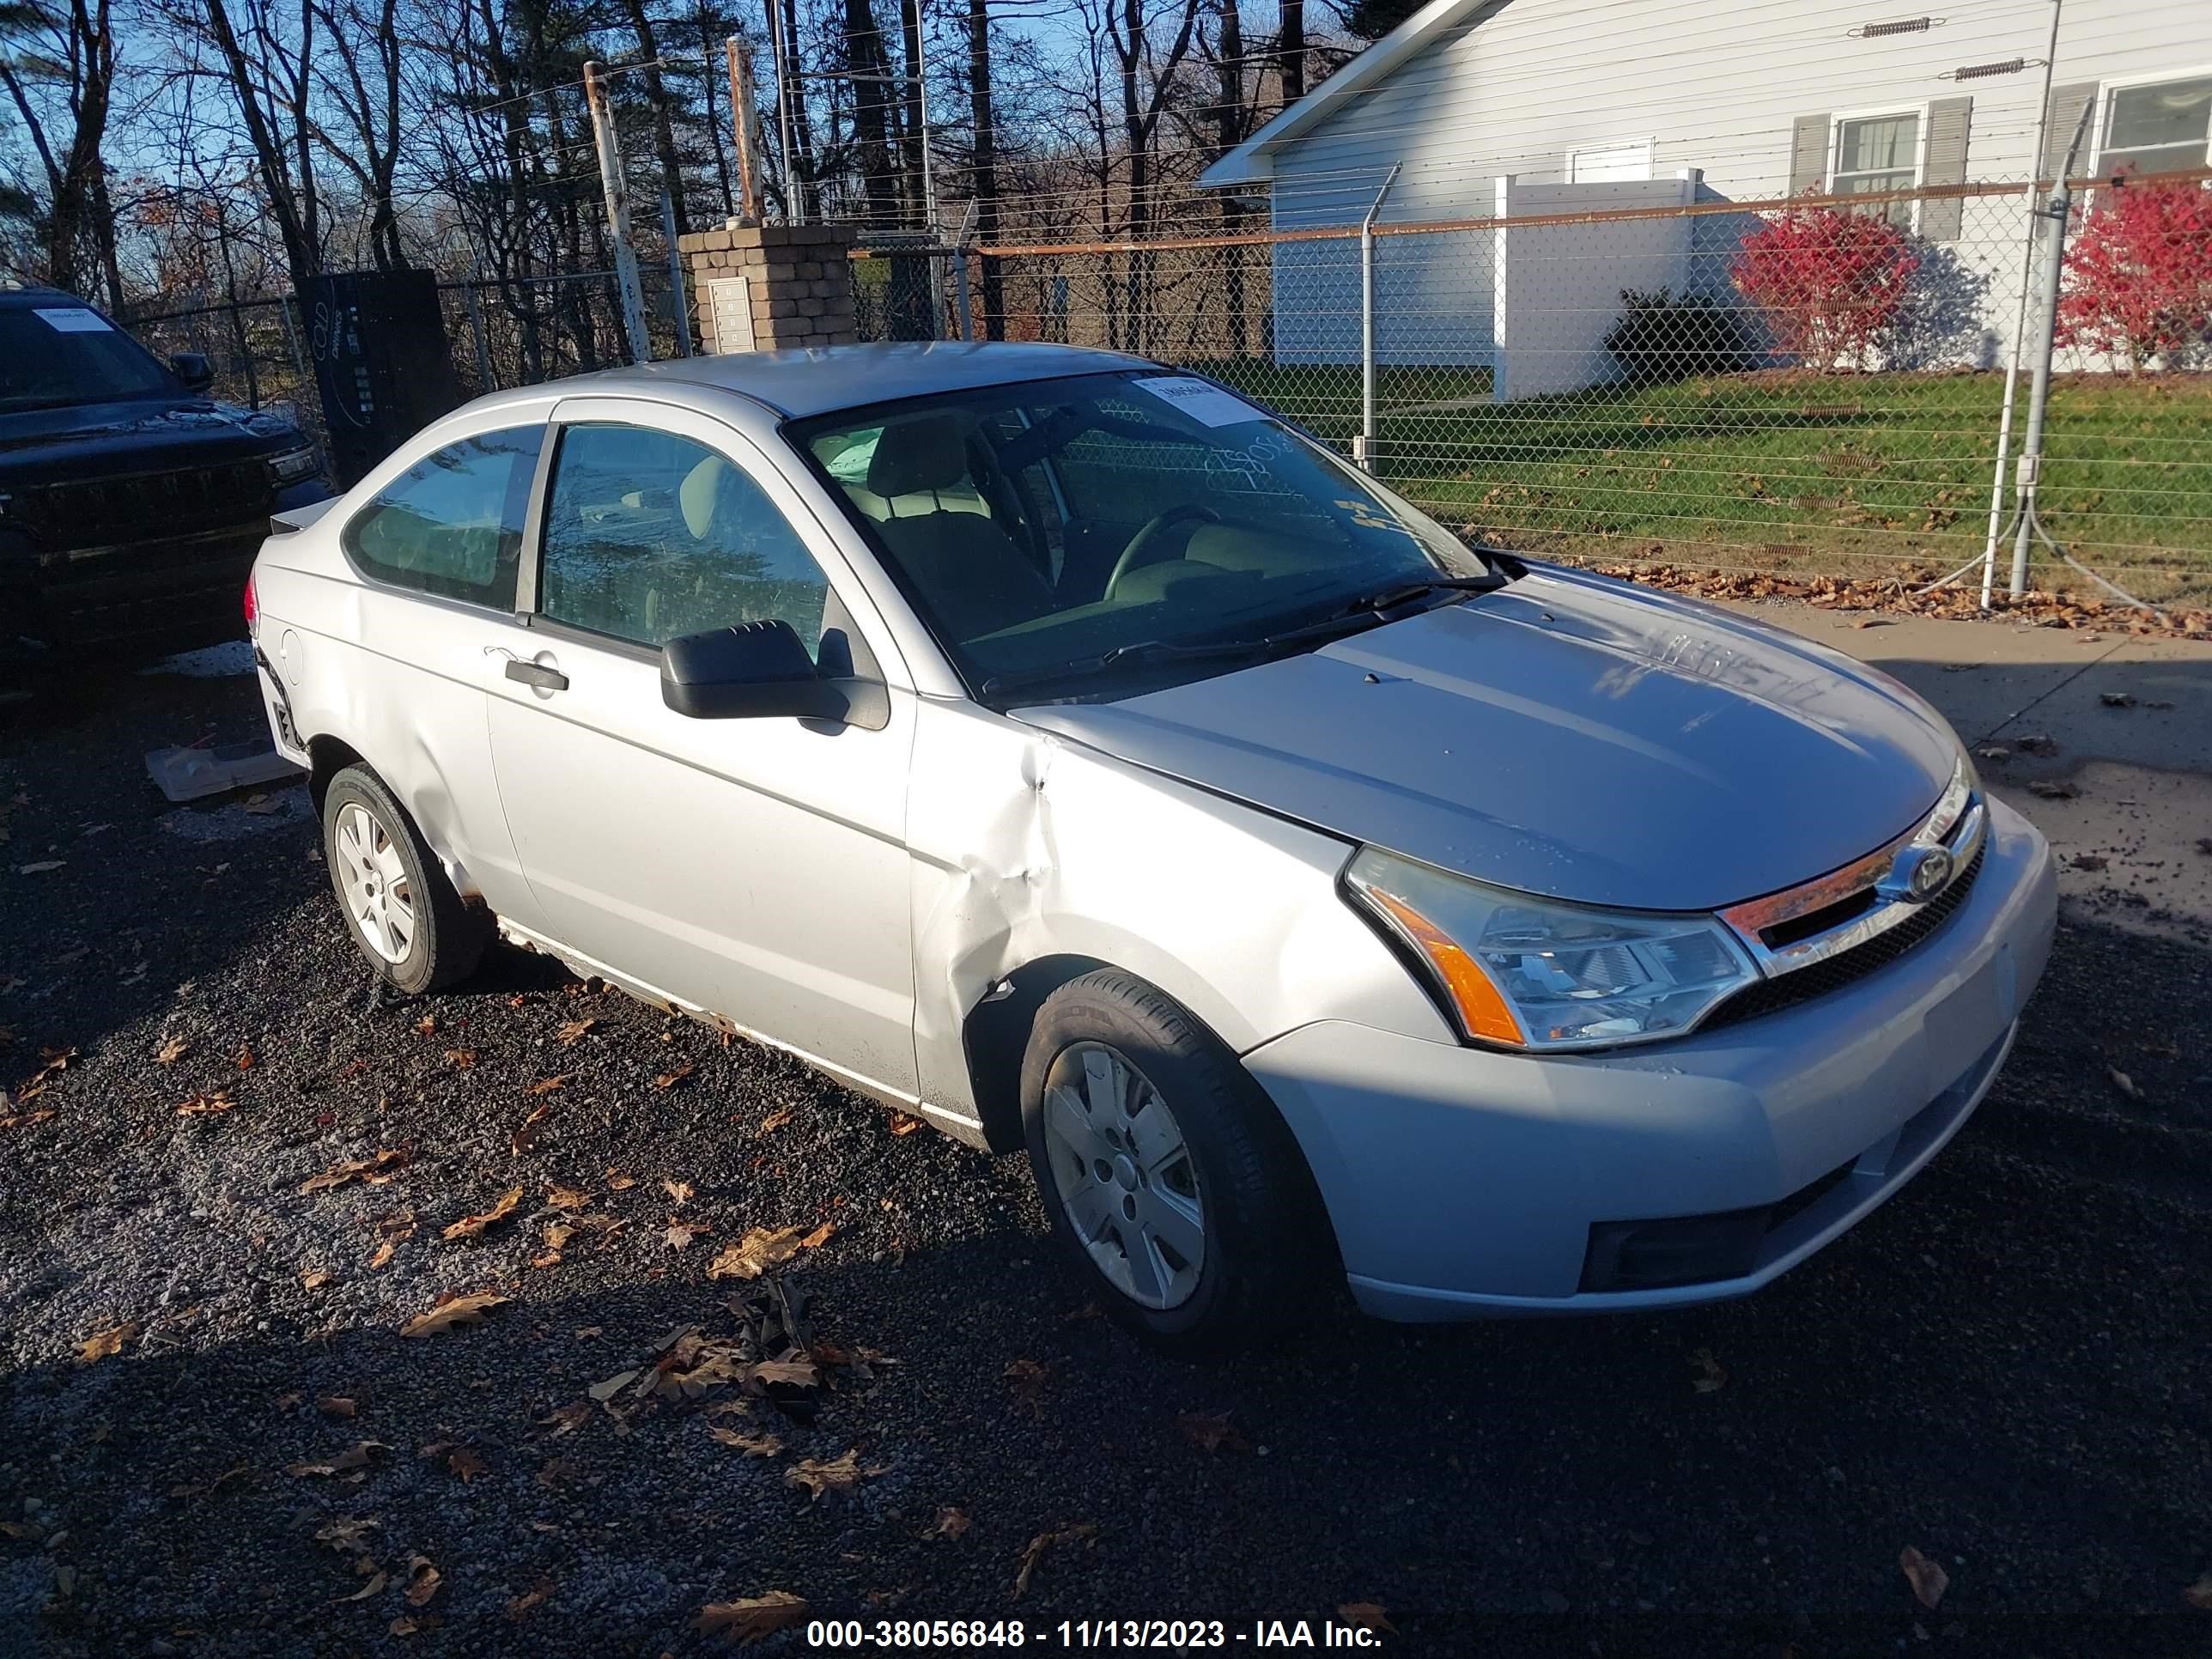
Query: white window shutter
x=2067 y=104
x=1808 y=154
x=1948 y=119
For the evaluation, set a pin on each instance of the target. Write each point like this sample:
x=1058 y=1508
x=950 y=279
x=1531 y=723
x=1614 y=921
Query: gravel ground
x=2004 y=1369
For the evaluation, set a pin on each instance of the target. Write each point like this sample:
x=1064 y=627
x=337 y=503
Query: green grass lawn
x=1784 y=469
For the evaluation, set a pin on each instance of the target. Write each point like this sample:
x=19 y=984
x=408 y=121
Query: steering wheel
x=1148 y=532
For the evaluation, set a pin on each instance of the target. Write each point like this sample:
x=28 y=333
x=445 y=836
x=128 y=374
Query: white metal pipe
x=1366 y=457
x=617 y=198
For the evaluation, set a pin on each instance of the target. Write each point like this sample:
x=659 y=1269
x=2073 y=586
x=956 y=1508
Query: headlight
x=1533 y=973
x=294 y=465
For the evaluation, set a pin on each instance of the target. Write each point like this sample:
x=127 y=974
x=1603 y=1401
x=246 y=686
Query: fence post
x=618 y=195
x=245 y=356
x=486 y=380
x=2030 y=474
x=677 y=302
x=742 y=112
x=961 y=327
x=1363 y=451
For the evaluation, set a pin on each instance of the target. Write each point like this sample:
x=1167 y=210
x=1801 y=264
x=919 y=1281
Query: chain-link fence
x=500 y=332
x=1637 y=374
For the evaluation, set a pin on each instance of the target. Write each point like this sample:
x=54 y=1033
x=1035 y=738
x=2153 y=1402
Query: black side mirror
x=193 y=369
x=754 y=671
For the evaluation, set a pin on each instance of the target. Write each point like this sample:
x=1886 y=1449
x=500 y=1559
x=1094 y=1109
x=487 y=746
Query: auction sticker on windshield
x=72 y=319
x=1207 y=404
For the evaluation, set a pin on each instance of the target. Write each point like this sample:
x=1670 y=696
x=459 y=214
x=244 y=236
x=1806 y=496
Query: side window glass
x=452 y=524
x=650 y=536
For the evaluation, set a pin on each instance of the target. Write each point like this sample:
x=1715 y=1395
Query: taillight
x=253 y=606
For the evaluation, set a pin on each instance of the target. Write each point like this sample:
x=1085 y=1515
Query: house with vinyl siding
x=1487 y=109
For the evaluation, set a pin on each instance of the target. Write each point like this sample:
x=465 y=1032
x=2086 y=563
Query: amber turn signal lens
x=1481 y=1007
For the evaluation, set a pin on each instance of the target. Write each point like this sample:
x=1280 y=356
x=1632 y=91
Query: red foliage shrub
x=1828 y=281
x=2139 y=273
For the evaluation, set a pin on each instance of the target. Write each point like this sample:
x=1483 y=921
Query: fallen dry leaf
x=1712 y=1376
x=793 y=1370
x=904 y=1123
x=751 y=1618
x=374 y=1171
x=172 y=1050
x=818 y=1238
x=1035 y=1550
x=466 y=1464
x=423 y=1582
x=314 y=1279
x=530 y=1600
x=461 y=1060
x=2126 y=1085
x=40 y=867
x=753 y=1446
x=337 y=1405
x=1366 y=1615
x=613 y=1385
x=374 y=1587
x=1027 y=1377
x=2199 y=1595
x=567 y=1419
x=1927 y=1577
x=472 y=1225
x=838 y=1475
x=106 y=1343
x=551 y=1085
x=358 y=1455
x=678 y=1235
x=950 y=1523
x=573 y=1030
x=675 y=1075
x=460 y=1310
x=620 y=1183
x=558 y=1197
x=776 y=1120
x=428 y=1025
x=207 y=1105
x=1212 y=1431
x=383 y=1255
x=761 y=1248
x=245 y=1059
x=680 y=1193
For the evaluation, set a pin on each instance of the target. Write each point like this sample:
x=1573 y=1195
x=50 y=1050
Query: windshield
x=1073 y=537
x=66 y=353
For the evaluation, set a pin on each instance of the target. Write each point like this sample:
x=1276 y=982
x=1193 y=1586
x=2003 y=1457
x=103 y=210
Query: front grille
x=102 y=511
x=1847 y=968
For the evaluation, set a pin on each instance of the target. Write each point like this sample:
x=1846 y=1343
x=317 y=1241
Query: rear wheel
x=416 y=930
x=1171 y=1184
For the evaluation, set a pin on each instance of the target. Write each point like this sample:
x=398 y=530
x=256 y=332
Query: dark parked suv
x=131 y=503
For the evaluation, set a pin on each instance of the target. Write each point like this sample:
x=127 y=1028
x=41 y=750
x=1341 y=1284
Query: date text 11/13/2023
x=1084 y=1635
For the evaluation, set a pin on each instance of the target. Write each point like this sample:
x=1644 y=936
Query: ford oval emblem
x=1918 y=874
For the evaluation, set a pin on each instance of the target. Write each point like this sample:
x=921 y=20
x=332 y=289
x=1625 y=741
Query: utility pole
x=794 y=198
x=741 y=126
x=617 y=195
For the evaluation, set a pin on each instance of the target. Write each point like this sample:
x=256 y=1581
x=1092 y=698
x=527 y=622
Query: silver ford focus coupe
x=1062 y=748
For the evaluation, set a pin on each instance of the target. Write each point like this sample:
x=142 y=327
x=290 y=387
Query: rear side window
x=452 y=524
x=650 y=536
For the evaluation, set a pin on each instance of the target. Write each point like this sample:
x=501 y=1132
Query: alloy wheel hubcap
x=379 y=897
x=1124 y=1175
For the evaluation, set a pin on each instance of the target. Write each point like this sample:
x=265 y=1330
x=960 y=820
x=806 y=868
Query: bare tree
x=58 y=65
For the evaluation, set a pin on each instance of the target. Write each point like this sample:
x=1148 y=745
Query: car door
x=755 y=868
x=437 y=547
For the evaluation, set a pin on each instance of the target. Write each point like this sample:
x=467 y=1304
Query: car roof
x=828 y=377
x=38 y=296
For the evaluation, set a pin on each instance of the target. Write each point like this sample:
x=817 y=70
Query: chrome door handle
x=536 y=674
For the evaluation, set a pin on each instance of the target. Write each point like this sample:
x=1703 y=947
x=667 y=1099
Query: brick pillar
x=771 y=287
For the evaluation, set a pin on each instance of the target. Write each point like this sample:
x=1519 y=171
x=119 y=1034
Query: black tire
x=448 y=935
x=1266 y=1236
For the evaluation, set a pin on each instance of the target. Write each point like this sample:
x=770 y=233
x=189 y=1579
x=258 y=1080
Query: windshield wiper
x=1136 y=651
x=1405 y=592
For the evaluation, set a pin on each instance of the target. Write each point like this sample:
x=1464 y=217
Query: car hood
x=1569 y=735
x=105 y=440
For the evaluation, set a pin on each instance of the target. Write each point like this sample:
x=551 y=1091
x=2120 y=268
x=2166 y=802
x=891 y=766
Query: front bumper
x=1466 y=1183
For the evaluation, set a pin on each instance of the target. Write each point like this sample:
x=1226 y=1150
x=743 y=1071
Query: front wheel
x=413 y=928
x=1170 y=1182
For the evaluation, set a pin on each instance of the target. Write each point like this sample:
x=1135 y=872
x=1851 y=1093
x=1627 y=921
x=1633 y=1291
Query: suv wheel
x=413 y=928
x=1170 y=1179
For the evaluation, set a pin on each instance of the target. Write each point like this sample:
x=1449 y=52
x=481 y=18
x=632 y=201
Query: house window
x=1878 y=153
x=2157 y=129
